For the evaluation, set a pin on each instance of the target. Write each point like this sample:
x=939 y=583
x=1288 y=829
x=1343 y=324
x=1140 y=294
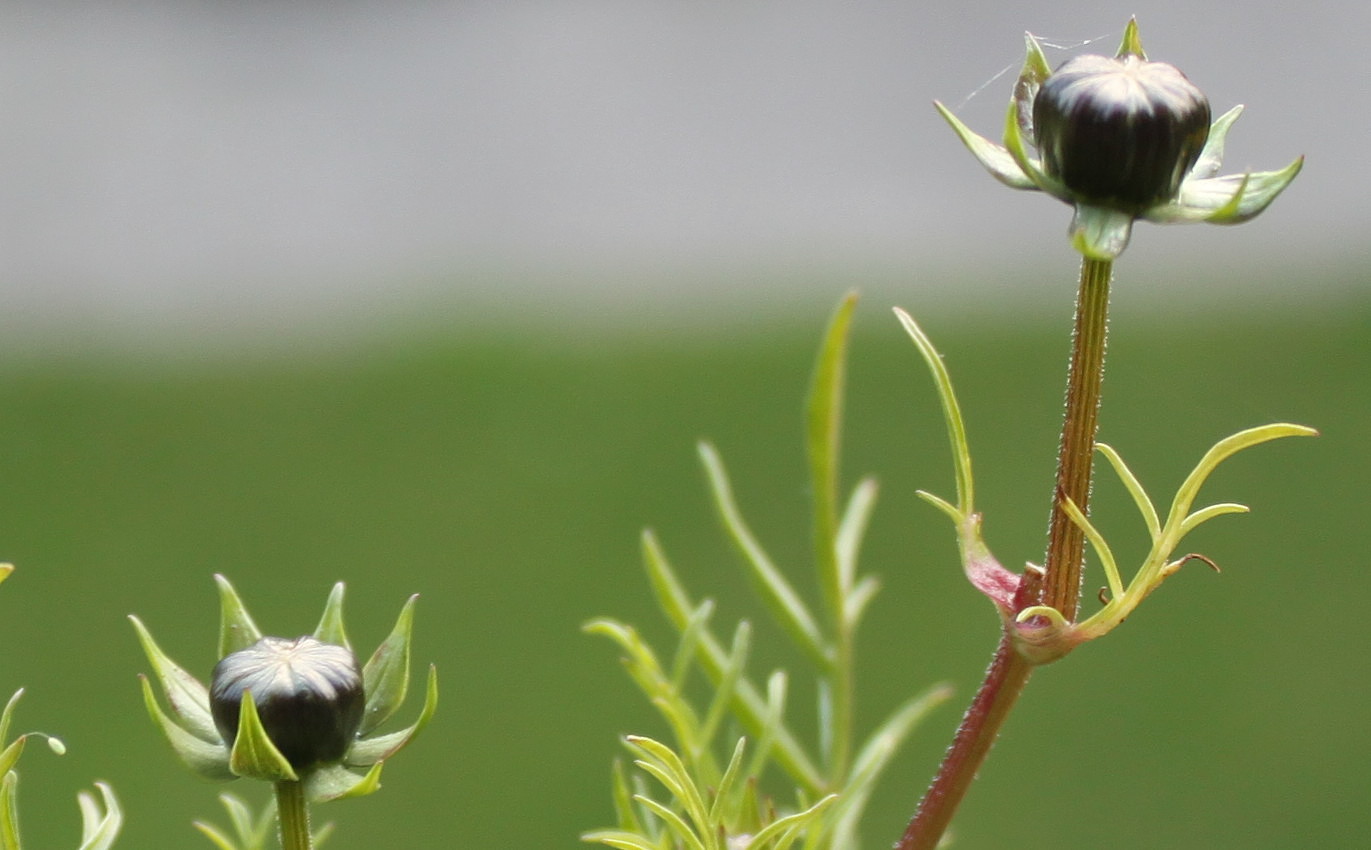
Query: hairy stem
x=1004 y=681
x=293 y=812
x=1059 y=585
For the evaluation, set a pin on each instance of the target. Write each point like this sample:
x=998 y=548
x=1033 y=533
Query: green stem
x=1060 y=583
x=293 y=812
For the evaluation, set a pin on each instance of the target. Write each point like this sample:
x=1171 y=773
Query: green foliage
x=100 y=819
x=712 y=772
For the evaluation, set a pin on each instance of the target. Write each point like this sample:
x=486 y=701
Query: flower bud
x=1119 y=132
x=308 y=696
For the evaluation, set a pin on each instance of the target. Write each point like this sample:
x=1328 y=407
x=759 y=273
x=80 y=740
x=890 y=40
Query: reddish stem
x=1060 y=583
x=1004 y=681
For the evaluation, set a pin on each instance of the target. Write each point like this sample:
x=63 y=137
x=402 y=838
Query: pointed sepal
x=381 y=747
x=253 y=752
x=1100 y=233
x=330 y=628
x=236 y=627
x=992 y=156
x=1132 y=43
x=335 y=782
x=187 y=696
x=208 y=760
x=385 y=677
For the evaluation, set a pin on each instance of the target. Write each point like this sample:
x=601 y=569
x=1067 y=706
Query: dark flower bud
x=308 y=696
x=1120 y=133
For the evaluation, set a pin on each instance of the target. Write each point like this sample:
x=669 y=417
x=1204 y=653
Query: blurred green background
x=505 y=475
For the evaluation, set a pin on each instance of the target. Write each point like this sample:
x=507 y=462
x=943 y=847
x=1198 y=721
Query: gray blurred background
x=269 y=167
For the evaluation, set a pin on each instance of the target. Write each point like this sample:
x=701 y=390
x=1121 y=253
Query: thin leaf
x=862 y=594
x=1220 y=452
x=777 y=685
x=727 y=686
x=675 y=823
x=823 y=441
x=723 y=795
x=664 y=764
x=780 y=598
x=100 y=821
x=851 y=531
x=748 y=704
x=10 y=756
x=220 y=840
x=1102 y=550
x=785 y=829
x=1134 y=487
x=7 y=716
x=875 y=755
x=952 y=416
x=689 y=643
x=9 y=818
x=619 y=839
x=624 y=809
x=1203 y=515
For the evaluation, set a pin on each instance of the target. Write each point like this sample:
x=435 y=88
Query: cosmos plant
x=300 y=713
x=1119 y=139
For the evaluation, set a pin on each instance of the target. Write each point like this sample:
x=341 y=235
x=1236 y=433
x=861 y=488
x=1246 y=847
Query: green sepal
x=381 y=747
x=385 y=678
x=330 y=628
x=1132 y=43
x=236 y=627
x=1100 y=233
x=991 y=155
x=187 y=696
x=1035 y=71
x=1015 y=144
x=209 y=760
x=1231 y=199
x=253 y=754
x=1211 y=156
x=334 y=782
